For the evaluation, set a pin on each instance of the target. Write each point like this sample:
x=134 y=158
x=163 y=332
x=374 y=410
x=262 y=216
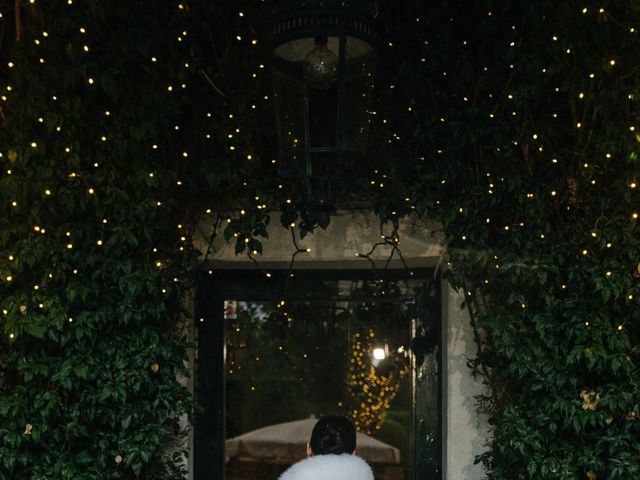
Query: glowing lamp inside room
x=379 y=353
x=323 y=58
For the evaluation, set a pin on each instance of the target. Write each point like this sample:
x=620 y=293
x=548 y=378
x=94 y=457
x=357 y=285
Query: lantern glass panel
x=291 y=111
x=322 y=104
x=359 y=83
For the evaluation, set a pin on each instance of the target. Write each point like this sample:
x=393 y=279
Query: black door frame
x=252 y=284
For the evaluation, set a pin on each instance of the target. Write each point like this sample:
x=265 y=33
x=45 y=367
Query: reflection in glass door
x=341 y=343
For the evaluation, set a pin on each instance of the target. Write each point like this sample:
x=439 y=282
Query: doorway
x=273 y=353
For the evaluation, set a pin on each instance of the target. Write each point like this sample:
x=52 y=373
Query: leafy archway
x=512 y=124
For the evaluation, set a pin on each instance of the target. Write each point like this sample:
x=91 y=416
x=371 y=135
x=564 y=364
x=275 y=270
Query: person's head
x=332 y=435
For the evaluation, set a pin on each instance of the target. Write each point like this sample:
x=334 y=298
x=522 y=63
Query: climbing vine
x=527 y=119
x=94 y=242
x=512 y=124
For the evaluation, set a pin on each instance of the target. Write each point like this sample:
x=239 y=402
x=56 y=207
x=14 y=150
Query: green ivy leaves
x=93 y=266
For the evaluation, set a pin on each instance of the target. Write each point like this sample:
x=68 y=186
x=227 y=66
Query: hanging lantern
x=323 y=57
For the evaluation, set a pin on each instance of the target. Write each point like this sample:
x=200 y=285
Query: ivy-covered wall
x=513 y=124
x=526 y=117
x=93 y=260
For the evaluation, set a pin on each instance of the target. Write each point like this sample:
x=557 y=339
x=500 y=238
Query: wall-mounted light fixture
x=323 y=58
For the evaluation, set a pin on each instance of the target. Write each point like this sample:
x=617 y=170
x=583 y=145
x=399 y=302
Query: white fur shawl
x=329 y=467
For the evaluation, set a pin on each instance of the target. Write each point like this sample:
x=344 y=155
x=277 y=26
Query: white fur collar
x=334 y=467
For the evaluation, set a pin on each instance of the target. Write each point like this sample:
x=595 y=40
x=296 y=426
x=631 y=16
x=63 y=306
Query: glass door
x=339 y=343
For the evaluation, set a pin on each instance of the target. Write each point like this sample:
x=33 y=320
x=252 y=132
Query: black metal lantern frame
x=323 y=58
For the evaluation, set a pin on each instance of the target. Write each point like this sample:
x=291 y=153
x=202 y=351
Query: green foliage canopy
x=513 y=124
x=526 y=116
x=93 y=264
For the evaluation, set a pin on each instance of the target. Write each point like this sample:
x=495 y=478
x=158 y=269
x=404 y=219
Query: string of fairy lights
x=66 y=144
x=609 y=66
x=234 y=131
x=378 y=391
x=599 y=241
x=536 y=137
x=227 y=127
x=372 y=393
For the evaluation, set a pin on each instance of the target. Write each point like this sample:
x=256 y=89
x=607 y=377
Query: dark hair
x=333 y=435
